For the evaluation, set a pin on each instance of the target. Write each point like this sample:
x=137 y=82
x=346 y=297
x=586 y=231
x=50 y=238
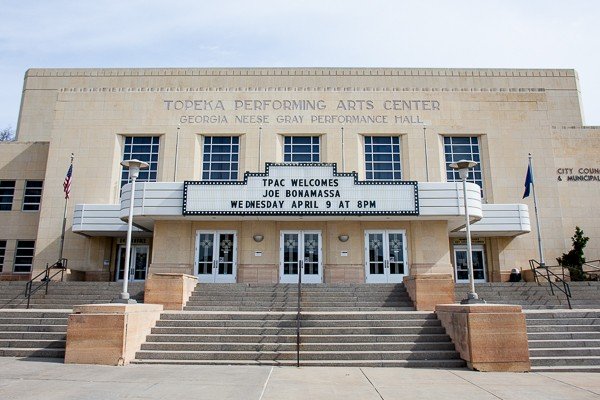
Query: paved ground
x=49 y=380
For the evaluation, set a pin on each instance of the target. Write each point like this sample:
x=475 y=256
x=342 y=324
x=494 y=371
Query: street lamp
x=463 y=167
x=134 y=167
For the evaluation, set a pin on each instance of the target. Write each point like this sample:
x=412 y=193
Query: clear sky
x=349 y=33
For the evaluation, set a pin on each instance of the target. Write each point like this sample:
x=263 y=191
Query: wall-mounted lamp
x=343 y=238
x=258 y=238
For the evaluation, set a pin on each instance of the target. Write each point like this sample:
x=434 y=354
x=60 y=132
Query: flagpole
x=64 y=223
x=537 y=216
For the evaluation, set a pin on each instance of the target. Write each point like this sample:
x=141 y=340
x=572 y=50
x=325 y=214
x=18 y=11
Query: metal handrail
x=596 y=268
x=298 y=312
x=61 y=265
x=565 y=286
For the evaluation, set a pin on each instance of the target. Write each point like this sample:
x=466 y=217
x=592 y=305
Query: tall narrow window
x=32 y=196
x=24 y=255
x=463 y=148
x=2 y=252
x=7 y=193
x=143 y=148
x=220 y=158
x=382 y=158
x=301 y=149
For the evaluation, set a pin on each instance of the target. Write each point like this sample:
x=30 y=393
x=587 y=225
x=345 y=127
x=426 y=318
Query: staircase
x=283 y=297
x=41 y=331
x=29 y=333
x=345 y=325
x=566 y=340
x=64 y=295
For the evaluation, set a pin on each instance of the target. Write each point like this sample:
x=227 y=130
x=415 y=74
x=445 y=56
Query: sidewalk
x=50 y=380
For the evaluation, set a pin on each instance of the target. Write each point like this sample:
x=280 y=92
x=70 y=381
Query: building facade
x=257 y=174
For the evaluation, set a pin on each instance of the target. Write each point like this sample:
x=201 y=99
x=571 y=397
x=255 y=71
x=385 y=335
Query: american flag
x=67 y=182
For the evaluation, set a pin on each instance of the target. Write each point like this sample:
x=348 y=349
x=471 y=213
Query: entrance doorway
x=461 y=271
x=385 y=256
x=301 y=251
x=216 y=256
x=138 y=263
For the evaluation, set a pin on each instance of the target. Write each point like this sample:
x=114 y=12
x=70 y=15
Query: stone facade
x=88 y=112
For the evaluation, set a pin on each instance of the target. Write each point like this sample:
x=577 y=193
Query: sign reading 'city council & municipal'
x=300 y=189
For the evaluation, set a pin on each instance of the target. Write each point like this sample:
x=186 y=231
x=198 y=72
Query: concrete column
x=431 y=275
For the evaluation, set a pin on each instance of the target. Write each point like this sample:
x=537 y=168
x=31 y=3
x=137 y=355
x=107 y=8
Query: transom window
x=7 y=193
x=382 y=158
x=33 y=195
x=463 y=148
x=220 y=158
x=301 y=149
x=2 y=252
x=143 y=148
x=24 y=255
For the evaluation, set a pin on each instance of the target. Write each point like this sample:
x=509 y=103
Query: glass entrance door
x=300 y=251
x=216 y=256
x=461 y=270
x=385 y=256
x=138 y=264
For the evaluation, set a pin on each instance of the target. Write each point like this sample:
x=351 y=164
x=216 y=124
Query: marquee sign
x=300 y=189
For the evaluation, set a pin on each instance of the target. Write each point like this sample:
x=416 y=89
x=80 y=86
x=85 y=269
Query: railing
x=60 y=265
x=541 y=270
x=298 y=312
x=594 y=265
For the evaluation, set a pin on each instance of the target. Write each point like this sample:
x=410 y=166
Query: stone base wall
x=489 y=337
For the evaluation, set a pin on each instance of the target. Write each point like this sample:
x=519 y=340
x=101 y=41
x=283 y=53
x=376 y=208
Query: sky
x=322 y=33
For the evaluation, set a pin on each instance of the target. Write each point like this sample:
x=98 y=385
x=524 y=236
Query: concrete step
x=565 y=361
x=565 y=352
x=291 y=355
x=33 y=328
x=303 y=305
x=32 y=343
x=562 y=314
x=289 y=309
x=563 y=328
x=563 y=335
x=292 y=323
x=538 y=344
x=32 y=352
x=306 y=338
x=32 y=321
x=291 y=346
x=33 y=335
x=563 y=321
x=305 y=331
x=291 y=316
x=570 y=368
x=447 y=364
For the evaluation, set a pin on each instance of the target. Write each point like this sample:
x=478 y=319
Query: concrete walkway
x=51 y=380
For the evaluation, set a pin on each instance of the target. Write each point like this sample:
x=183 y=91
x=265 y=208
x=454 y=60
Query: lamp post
x=463 y=167
x=134 y=167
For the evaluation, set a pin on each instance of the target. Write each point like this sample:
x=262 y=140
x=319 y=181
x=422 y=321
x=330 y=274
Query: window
x=301 y=149
x=24 y=255
x=33 y=195
x=463 y=148
x=7 y=192
x=382 y=158
x=143 y=148
x=220 y=158
x=2 y=252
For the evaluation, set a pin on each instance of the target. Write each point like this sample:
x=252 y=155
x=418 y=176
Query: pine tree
x=574 y=259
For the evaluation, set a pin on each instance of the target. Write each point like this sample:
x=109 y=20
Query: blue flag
x=528 y=181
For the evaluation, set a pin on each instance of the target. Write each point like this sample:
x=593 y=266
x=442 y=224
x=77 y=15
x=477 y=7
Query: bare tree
x=7 y=134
